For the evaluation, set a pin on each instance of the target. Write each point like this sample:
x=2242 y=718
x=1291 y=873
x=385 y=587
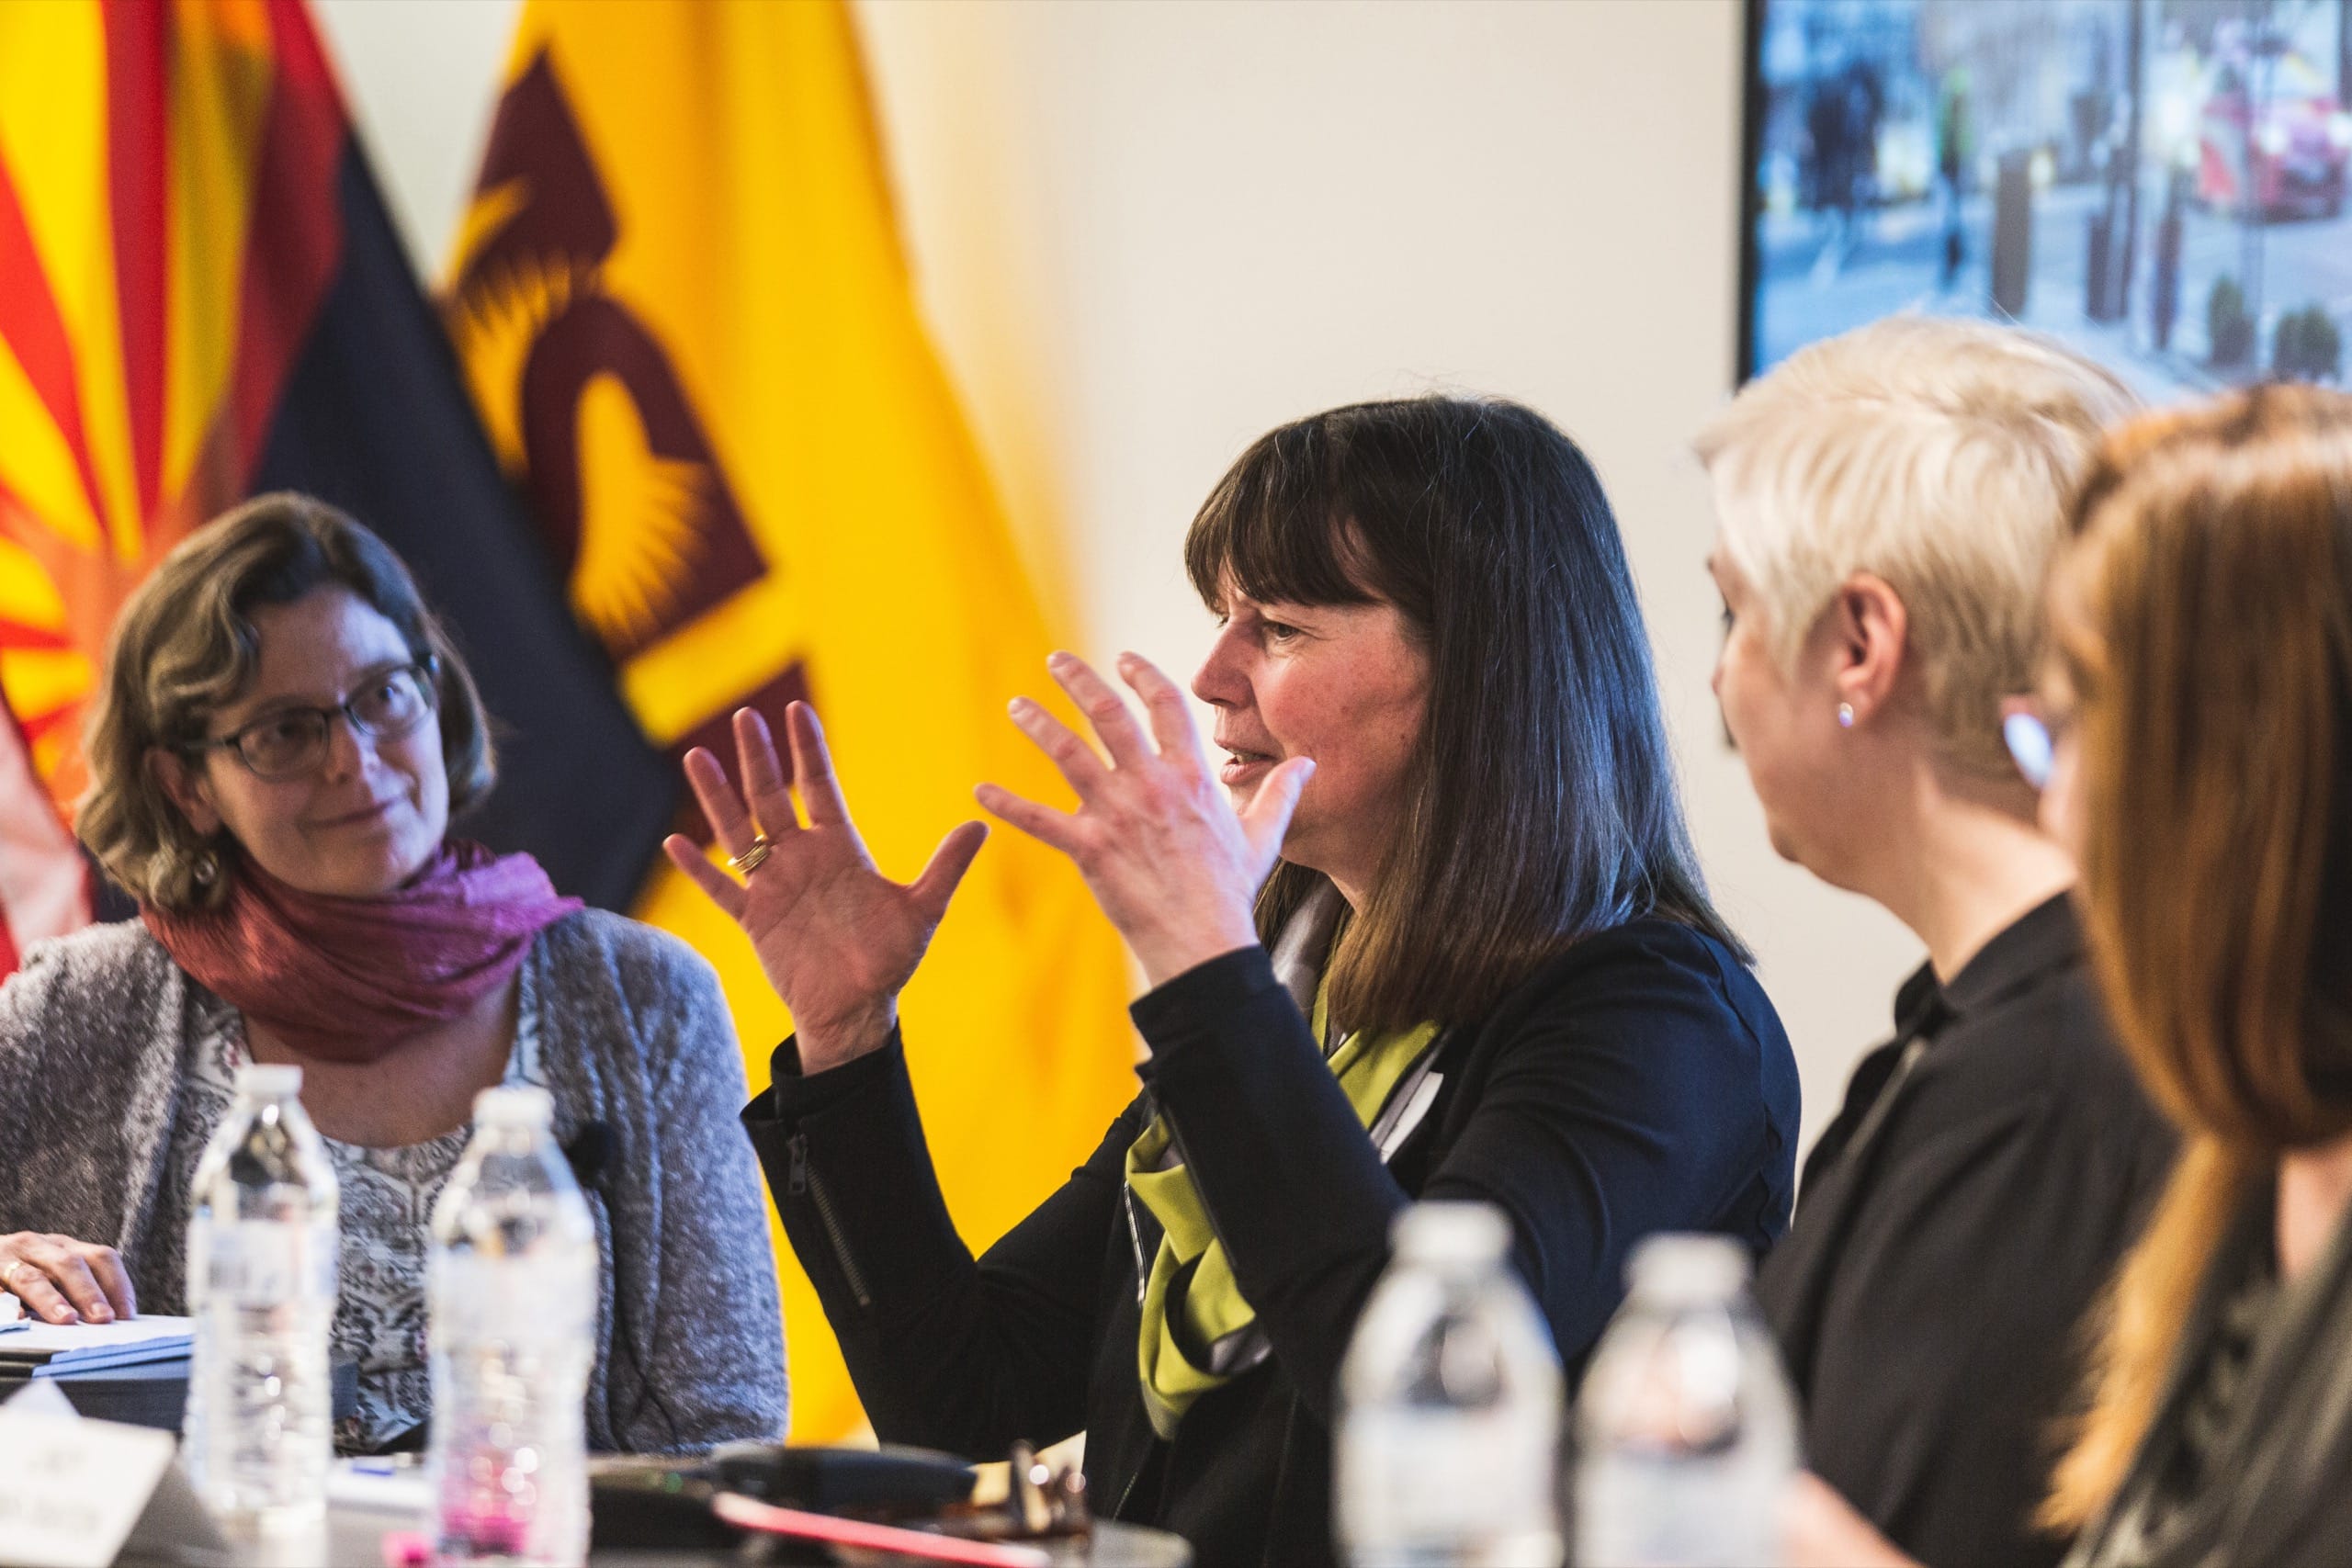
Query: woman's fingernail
x=102 y=1314
x=1057 y=659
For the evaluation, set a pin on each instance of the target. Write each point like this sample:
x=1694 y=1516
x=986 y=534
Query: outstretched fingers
x=1042 y=823
x=764 y=786
x=812 y=769
x=1071 y=757
x=949 y=862
x=716 y=886
x=1268 y=815
x=730 y=823
x=1104 y=708
x=1163 y=700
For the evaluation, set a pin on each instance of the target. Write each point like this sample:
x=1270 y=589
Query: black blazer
x=1958 y=1220
x=1638 y=1082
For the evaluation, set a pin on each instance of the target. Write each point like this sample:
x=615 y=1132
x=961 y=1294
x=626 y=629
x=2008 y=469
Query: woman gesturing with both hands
x=1172 y=861
x=1430 y=929
x=838 y=941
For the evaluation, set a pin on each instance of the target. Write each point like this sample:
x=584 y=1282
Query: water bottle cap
x=1451 y=1233
x=521 y=1105
x=269 y=1080
x=1688 y=1267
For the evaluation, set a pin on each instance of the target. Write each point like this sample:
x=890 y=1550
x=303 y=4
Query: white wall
x=1147 y=231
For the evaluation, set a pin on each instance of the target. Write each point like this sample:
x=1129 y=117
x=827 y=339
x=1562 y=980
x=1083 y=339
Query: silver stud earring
x=1845 y=715
x=207 y=869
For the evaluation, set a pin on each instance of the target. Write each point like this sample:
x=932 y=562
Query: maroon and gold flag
x=682 y=307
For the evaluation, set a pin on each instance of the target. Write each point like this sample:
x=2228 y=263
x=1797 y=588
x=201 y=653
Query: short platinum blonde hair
x=1938 y=455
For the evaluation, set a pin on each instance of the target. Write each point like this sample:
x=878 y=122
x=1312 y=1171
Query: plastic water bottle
x=513 y=1289
x=1686 y=1432
x=1449 y=1421
x=261 y=1285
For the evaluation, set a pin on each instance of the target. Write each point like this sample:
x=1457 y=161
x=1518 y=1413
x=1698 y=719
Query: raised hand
x=837 y=938
x=1160 y=846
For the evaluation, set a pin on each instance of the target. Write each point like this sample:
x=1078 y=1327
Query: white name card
x=70 y=1489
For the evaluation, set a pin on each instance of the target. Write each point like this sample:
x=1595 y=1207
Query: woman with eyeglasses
x=282 y=736
x=1888 y=502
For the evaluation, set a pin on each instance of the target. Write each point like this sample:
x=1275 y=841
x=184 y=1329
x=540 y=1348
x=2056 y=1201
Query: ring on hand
x=749 y=861
x=8 y=1275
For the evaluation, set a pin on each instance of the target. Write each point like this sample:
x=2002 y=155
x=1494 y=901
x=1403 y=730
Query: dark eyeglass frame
x=425 y=668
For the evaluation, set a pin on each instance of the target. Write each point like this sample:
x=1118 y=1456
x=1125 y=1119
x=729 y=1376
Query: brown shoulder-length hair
x=2203 y=615
x=1541 y=803
x=185 y=644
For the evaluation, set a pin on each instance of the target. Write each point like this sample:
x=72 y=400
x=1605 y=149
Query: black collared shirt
x=1991 y=1164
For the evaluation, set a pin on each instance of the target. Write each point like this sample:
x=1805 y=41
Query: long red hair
x=2203 y=613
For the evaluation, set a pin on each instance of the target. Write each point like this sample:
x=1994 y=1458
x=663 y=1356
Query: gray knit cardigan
x=633 y=1033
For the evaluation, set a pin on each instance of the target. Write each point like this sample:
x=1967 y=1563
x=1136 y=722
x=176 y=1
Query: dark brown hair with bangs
x=1541 y=804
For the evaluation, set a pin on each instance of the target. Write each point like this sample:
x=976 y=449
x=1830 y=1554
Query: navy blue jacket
x=1637 y=1082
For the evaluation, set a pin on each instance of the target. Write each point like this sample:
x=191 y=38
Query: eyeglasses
x=390 y=704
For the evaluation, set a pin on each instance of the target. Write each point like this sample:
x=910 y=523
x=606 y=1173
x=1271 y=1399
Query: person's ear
x=188 y=787
x=1873 y=629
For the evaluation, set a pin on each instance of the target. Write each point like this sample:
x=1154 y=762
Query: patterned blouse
x=386 y=1213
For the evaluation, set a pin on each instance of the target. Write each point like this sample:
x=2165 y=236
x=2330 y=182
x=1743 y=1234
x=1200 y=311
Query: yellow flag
x=683 y=307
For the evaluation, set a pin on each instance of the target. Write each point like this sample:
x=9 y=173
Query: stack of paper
x=71 y=1349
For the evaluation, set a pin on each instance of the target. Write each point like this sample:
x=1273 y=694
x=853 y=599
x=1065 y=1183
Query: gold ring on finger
x=8 y=1275
x=751 y=859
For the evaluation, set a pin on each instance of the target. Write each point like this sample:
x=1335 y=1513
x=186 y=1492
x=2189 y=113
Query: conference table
x=355 y=1539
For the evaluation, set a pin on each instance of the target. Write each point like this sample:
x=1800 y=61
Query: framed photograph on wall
x=2161 y=184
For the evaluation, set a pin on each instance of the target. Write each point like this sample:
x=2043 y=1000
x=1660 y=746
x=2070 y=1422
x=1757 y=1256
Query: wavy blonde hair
x=2203 y=613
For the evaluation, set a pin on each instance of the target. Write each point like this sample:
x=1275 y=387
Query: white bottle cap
x=1676 y=1268
x=1451 y=1233
x=269 y=1080
x=521 y=1105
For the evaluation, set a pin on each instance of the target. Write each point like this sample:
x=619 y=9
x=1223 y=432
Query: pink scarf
x=347 y=979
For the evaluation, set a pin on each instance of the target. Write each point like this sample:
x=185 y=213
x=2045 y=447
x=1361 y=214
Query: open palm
x=837 y=939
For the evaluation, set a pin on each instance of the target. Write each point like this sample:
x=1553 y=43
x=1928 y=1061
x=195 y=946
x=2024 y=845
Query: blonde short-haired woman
x=2199 y=703
x=1889 y=503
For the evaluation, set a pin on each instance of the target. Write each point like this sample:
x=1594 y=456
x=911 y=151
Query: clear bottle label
x=266 y=1263
x=548 y=1299
x=1418 y=1477
x=1681 y=1511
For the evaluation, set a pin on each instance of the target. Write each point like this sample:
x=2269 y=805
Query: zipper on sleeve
x=799 y=1180
x=1135 y=1239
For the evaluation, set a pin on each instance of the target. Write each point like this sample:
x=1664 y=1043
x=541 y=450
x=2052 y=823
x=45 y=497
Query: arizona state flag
x=199 y=299
x=44 y=883
x=682 y=307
